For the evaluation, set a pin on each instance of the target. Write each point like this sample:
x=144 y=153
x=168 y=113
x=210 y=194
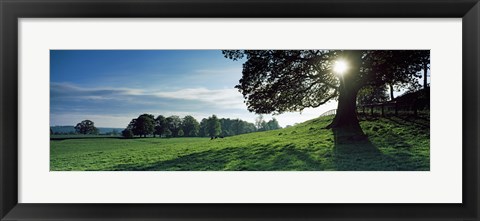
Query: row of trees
x=174 y=126
x=383 y=93
x=263 y=125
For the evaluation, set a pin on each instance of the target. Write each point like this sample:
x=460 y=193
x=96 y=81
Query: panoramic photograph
x=240 y=110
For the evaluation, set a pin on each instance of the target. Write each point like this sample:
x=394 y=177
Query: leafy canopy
x=277 y=81
x=86 y=127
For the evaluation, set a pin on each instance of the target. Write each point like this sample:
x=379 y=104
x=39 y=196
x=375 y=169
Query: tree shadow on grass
x=258 y=158
x=362 y=155
x=422 y=122
x=347 y=155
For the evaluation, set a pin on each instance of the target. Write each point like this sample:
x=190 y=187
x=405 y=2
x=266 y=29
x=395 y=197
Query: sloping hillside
x=394 y=144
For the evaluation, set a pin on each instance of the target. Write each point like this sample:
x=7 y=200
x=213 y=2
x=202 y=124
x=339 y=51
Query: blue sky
x=111 y=87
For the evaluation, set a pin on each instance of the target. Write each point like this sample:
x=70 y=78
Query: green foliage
x=190 y=126
x=161 y=125
x=131 y=125
x=203 y=128
x=180 y=133
x=403 y=68
x=262 y=125
x=272 y=124
x=168 y=133
x=174 y=124
x=278 y=81
x=86 y=127
x=213 y=126
x=231 y=127
x=144 y=125
x=397 y=143
x=372 y=95
x=127 y=133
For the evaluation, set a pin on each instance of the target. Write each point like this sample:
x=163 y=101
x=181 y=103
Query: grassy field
x=396 y=143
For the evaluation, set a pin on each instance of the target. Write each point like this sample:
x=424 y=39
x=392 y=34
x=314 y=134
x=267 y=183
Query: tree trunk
x=391 y=92
x=346 y=115
x=425 y=69
x=425 y=84
x=345 y=125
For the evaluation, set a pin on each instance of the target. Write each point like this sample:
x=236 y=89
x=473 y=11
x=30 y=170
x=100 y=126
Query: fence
x=329 y=113
x=387 y=108
x=393 y=107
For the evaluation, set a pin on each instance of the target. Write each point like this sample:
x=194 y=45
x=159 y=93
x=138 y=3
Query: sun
x=340 y=67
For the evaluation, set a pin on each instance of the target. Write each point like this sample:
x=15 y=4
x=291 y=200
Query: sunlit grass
x=396 y=144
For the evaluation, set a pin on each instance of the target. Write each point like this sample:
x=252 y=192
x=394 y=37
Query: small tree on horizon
x=86 y=127
x=273 y=124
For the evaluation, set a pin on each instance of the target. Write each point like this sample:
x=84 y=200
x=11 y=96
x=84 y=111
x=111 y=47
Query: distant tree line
x=263 y=125
x=174 y=126
x=86 y=127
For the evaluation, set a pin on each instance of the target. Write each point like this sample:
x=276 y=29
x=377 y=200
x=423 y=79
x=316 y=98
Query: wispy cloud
x=68 y=99
x=115 y=107
x=223 y=98
x=111 y=87
x=67 y=89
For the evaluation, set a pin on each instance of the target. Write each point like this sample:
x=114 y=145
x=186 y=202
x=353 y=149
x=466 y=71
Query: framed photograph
x=228 y=110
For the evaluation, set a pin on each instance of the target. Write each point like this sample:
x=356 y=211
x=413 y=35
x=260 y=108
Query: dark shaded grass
x=262 y=158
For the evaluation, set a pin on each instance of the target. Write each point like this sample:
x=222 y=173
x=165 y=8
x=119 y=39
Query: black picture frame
x=11 y=10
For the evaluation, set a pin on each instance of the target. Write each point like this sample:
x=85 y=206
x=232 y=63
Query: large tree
x=213 y=127
x=127 y=133
x=425 y=57
x=86 y=127
x=174 y=124
x=190 y=126
x=203 y=128
x=144 y=125
x=278 y=81
x=397 y=78
x=161 y=125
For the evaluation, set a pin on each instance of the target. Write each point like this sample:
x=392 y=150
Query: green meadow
x=394 y=144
